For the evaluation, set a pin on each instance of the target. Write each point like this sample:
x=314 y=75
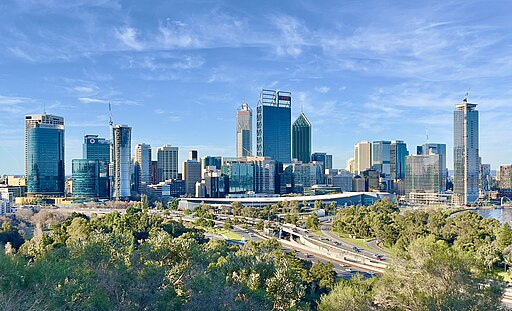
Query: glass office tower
x=240 y=175
x=44 y=154
x=273 y=125
x=96 y=148
x=398 y=152
x=86 y=175
x=465 y=153
x=381 y=156
x=301 y=139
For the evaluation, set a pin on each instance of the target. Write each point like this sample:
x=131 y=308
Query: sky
x=176 y=71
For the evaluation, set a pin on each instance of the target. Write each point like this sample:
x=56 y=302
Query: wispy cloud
x=89 y=100
x=129 y=37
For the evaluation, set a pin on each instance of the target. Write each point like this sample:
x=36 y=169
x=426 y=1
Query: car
x=251 y=234
x=355 y=249
x=349 y=270
x=336 y=243
x=377 y=256
x=308 y=255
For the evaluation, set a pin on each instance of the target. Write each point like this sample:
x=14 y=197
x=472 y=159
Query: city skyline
x=175 y=80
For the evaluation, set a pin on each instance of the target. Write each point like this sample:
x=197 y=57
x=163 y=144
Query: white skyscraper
x=244 y=131
x=465 y=153
x=362 y=156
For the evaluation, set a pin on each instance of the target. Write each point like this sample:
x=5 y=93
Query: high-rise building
x=440 y=149
x=86 y=181
x=240 y=175
x=154 y=173
x=167 y=163
x=362 y=156
x=244 y=131
x=96 y=148
x=209 y=162
x=191 y=173
x=120 y=159
x=143 y=165
x=485 y=179
x=301 y=139
x=381 y=156
x=44 y=154
x=398 y=151
x=465 y=153
x=264 y=174
x=273 y=125
x=505 y=177
x=423 y=173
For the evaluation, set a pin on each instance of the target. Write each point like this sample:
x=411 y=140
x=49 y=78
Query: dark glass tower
x=86 y=177
x=44 y=154
x=96 y=148
x=301 y=139
x=273 y=125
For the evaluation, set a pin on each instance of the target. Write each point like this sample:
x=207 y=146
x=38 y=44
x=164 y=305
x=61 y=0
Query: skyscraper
x=191 y=172
x=44 y=154
x=167 y=162
x=301 y=139
x=398 y=151
x=465 y=153
x=120 y=159
x=86 y=178
x=423 y=174
x=96 y=148
x=362 y=156
x=381 y=156
x=273 y=125
x=244 y=131
x=439 y=149
x=143 y=165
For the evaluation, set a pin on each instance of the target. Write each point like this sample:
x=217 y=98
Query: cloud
x=128 y=36
x=322 y=89
x=89 y=100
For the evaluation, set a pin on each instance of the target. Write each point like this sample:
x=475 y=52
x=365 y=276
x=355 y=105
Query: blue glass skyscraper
x=96 y=148
x=44 y=154
x=273 y=123
x=86 y=178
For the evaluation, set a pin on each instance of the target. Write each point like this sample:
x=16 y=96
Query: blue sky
x=177 y=70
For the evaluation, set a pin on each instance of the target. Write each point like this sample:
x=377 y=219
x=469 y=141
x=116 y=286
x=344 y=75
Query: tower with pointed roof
x=301 y=139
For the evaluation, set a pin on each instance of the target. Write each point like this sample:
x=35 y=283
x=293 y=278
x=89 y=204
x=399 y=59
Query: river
x=503 y=215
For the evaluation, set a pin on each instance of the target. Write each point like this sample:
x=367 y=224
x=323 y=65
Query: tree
x=434 y=276
x=284 y=287
x=352 y=295
x=318 y=204
x=260 y=225
x=313 y=222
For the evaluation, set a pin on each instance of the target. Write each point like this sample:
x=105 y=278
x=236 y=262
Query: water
x=503 y=215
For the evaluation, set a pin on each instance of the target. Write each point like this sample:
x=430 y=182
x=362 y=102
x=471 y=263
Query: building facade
x=121 y=164
x=96 y=148
x=191 y=173
x=244 y=131
x=85 y=175
x=273 y=125
x=398 y=151
x=167 y=163
x=44 y=154
x=362 y=156
x=381 y=156
x=423 y=174
x=465 y=153
x=143 y=165
x=301 y=139
x=440 y=149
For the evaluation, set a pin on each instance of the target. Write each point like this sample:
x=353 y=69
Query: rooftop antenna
x=467 y=95
x=302 y=105
x=426 y=133
x=110 y=112
x=44 y=108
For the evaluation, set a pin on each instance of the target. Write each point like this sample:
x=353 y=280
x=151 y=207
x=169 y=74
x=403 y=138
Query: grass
x=221 y=231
